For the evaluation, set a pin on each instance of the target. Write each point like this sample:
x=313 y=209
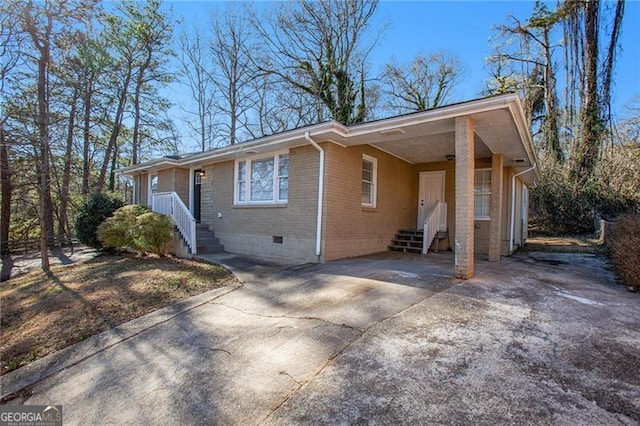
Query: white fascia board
x=525 y=136
x=147 y=166
x=443 y=113
x=267 y=144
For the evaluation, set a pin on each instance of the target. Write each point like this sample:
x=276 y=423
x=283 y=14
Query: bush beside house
x=557 y=207
x=136 y=227
x=92 y=213
x=624 y=248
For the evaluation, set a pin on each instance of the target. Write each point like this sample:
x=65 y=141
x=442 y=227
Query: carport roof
x=420 y=137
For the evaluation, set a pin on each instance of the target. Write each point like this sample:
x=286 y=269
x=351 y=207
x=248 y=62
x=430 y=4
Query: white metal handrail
x=171 y=204
x=435 y=221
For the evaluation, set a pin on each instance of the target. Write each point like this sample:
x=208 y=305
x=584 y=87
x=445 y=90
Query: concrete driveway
x=537 y=338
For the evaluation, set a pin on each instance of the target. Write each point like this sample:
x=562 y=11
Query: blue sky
x=462 y=29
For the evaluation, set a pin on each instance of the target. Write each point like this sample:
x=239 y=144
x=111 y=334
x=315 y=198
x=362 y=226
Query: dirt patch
x=40 y=313
x=566 y=244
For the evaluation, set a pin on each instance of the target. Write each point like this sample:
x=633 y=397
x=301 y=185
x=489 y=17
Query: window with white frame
x=482 y=194
x=263 y=180
x=369 y=180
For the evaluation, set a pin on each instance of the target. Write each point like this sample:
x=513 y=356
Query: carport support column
x=495 y=212
x=465 y=168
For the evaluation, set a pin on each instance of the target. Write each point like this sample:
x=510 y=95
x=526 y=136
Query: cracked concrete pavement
x=537 y=338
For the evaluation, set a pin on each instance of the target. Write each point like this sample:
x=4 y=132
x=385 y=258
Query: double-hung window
x=482 y=194
x=369 y=180
x=263 y=180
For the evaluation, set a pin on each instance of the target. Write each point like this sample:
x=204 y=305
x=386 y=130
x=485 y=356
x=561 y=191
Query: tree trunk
x=587 y=152
x=608 y=66
x=115 y=130
x=63 y=225
x=136 y=112
x=112 y=173
x=42 y=44
x=5 y=189
x=552 y=139
x=86 y=160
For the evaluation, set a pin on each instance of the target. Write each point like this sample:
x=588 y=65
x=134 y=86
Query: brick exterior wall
x=464 y=232
x=495 y=234
x=250 y=229
x=175 y=180
x=351 y=229
x=142 y=188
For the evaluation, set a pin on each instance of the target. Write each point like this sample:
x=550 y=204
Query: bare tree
x=536 y=80
x=196 y=65
x=608 y=65
x=232 y=72
x=426 y=82
x=501 y=79
x=279 y=107
x=321 y=49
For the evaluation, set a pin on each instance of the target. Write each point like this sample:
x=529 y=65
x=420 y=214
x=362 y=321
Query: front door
x=430 y=191
x=197 y=181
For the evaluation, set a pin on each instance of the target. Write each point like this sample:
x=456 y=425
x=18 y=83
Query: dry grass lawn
x=41 y=314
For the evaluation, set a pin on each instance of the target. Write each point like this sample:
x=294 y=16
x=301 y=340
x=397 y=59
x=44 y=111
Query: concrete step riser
x=410 y=241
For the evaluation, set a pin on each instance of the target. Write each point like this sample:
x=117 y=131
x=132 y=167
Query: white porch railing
x=435 y=221
x=169 y=203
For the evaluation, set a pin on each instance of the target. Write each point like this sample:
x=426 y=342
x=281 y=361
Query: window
x=153 y=183
x=283 y=178
x=369 y=180
x=482 y=194
x=262 y=180
x=153 y=188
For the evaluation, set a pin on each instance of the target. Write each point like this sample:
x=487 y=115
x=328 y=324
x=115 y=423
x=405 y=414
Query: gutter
x=320 y=193
x=513 y=205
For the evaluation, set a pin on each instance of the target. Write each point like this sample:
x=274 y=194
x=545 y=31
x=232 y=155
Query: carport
x=489 y=134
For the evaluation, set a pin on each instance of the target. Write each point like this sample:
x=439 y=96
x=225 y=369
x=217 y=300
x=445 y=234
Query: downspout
x=320 y=193
x=513 y=205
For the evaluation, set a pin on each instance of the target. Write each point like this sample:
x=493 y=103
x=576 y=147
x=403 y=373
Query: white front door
x=430 y=191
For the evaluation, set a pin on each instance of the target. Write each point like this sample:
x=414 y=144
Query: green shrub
x=92 y=213
x=609 y=203
x=556 y=208
x=118 y=231
x=624 y=248
x=153 y=232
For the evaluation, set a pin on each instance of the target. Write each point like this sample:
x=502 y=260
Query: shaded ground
x=19 y=264
x=539 y=338
x=41 y=314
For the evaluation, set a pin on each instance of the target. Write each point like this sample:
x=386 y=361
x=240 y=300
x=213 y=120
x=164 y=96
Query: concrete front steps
x=206 y=240
x=410 y=241
x=407 y=241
